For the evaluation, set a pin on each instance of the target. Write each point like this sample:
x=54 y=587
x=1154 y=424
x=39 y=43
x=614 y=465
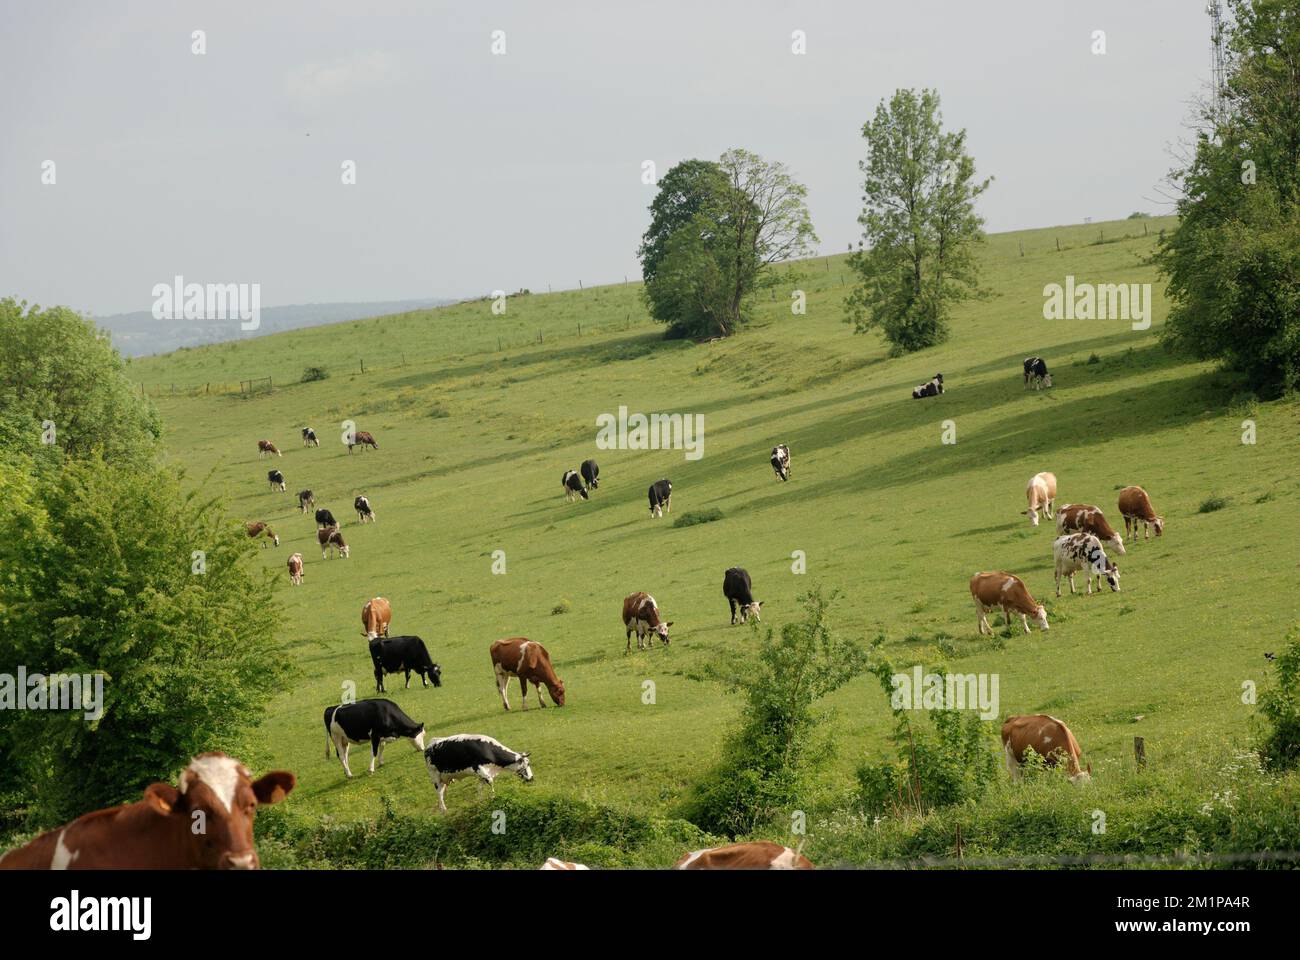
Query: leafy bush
x=310 y=374
x=561 y=607
x=698 y=516
x=1279 y=728
x=1212 y=503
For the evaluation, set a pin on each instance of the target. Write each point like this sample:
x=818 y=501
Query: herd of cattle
x=222 y=787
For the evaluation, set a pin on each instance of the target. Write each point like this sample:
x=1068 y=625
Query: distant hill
x=139 y=334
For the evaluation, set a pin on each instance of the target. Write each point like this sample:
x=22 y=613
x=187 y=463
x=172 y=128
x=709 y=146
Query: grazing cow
x=471 y=755
x=157 y=833
x=755 y=855
x=277 y=480
x=554 y=863
x=1041 y=494
x=306 y=500
x=375 y=617
x=661 y=498
x=738 y=590
x=1046 y=736
x=325 y=519
x=402 y=655
x=295 y=569
x=529 y=661
x=998 y=589
x=781 y=461
x=331 y=537
x=374 y=721
x=309 y=437
x=1036 y=373
x=571 y=483
x=362 y=439
x=931 y=389
x=590 y=473
x=259 y=529
x=1078 y=551
x=641 y=613
x=266 y=446
x=364 y=513
x=1135 y=507
x=1085 y=518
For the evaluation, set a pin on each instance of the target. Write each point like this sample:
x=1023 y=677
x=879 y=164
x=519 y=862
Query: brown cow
x=1134 y=507
x=259 y=529
x=161 y=831
x=295 y=569
x=1085 y=518
x=1046 y=736
x=756 y=855
x=266 y=446
x=555 y=863
x=998 y=589
x=641 y=613
x=331 y=537
x=375 y=617
x=529 y=661
x=362 y=439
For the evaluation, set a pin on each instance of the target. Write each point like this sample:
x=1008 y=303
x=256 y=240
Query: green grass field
x=473 y=441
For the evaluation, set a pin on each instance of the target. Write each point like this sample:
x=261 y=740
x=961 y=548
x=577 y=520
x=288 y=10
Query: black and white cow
x=661 y=498
x=309 y=437
x=306 y=500
x=571 y=483
x=403 y=655
x=277 y=480
x=325 y=519
x=471 y=755
x=590 y=473
x=1036 y=373
x=374 y=721
x=362 y=506
x=931 y=389
x=738 y=590
x=781 y=461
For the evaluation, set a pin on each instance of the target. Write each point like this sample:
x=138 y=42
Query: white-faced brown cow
x=295 y=569
x=1083 y=551
x=1135 y=507
x=375 y=617
x=529 y=661
x=555 y=863
x=995 y=589
x=331 y=537
x=755 y=855
x=641 y=613
x=1041 y=494
x=362 y=439
x=266 y=447
x=157 y=833
x=1085 y=518
x=1046 y=736
x=259 y=529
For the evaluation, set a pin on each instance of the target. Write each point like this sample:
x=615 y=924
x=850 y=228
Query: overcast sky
x=478 y=171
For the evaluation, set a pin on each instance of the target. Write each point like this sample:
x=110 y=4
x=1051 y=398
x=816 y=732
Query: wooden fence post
x=1140 y=752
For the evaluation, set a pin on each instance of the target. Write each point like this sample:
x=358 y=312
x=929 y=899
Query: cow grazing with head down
x=471 y=755
x=641 y=614
x=931 y=389
x=1041 y=494
x=364 y=511
x=754 y=855
x=157 y=833
x=266 y=446
x=530 y=663
x=309 y=437
x=277 y=480
x=999 y=589
x=739 y=591
x=306 y=500
x=590 y=473
x=1046 y=736
x=295 y=569
x=1085 y=518
x=259 y=529
x=1082 y=551
x=661 y=498
x=572 y=486
x=361 y=439
x=1036 y=373
x=325 y=519
x=403 y=655
x=375 y=721
x=375 y=617
x=1135 y=507
x=781 y=461
x=331 y=537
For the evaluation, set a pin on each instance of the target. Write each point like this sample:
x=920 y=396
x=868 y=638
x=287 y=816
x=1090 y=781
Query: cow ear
x=163 y=797
x=274 y=786
x=669 y=623
x=760 y=603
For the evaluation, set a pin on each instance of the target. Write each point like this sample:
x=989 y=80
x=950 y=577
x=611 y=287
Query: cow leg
x=733 y=610
x=442 y=797
x=537 y=688
x=345 y=749
x=380 y=756
x=1013 y=767
x=1058 y=583
x=523 y=692
x=668 y=504
x=1024 y=622
x=376 y=745
x=408 y=678
x=629 y=643
x=503 y=681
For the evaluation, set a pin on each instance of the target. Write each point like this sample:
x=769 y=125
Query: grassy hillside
x=473 y=441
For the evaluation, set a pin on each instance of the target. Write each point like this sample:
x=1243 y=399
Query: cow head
x=1112 y=575
x=216 y=804
x=275 y=537
x=417 y=741
x=662 y=631
x=435 y=675
x=1159 y=524
x=1033 y=516
x=522 y=768
x=1117 y=544
x=557 y=692
x=1040 y=617
x=751 y=610
x=1047 y=379
x=1083 y=776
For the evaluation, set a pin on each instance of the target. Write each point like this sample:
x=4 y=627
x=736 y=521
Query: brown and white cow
x=641 y=613
x=1083 y=551
x=755 y=855
x=159 y=832
x=999 y=589
x=1135 y=507
x=259 y=529
x=1041 y=494
x=1085 y=518
x=266 y=446
x=362 y=439
x=331 y=537
x=295 y=569
x=555 y=863
x=1046 y=736
x=375 y=617
x=529 y=661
